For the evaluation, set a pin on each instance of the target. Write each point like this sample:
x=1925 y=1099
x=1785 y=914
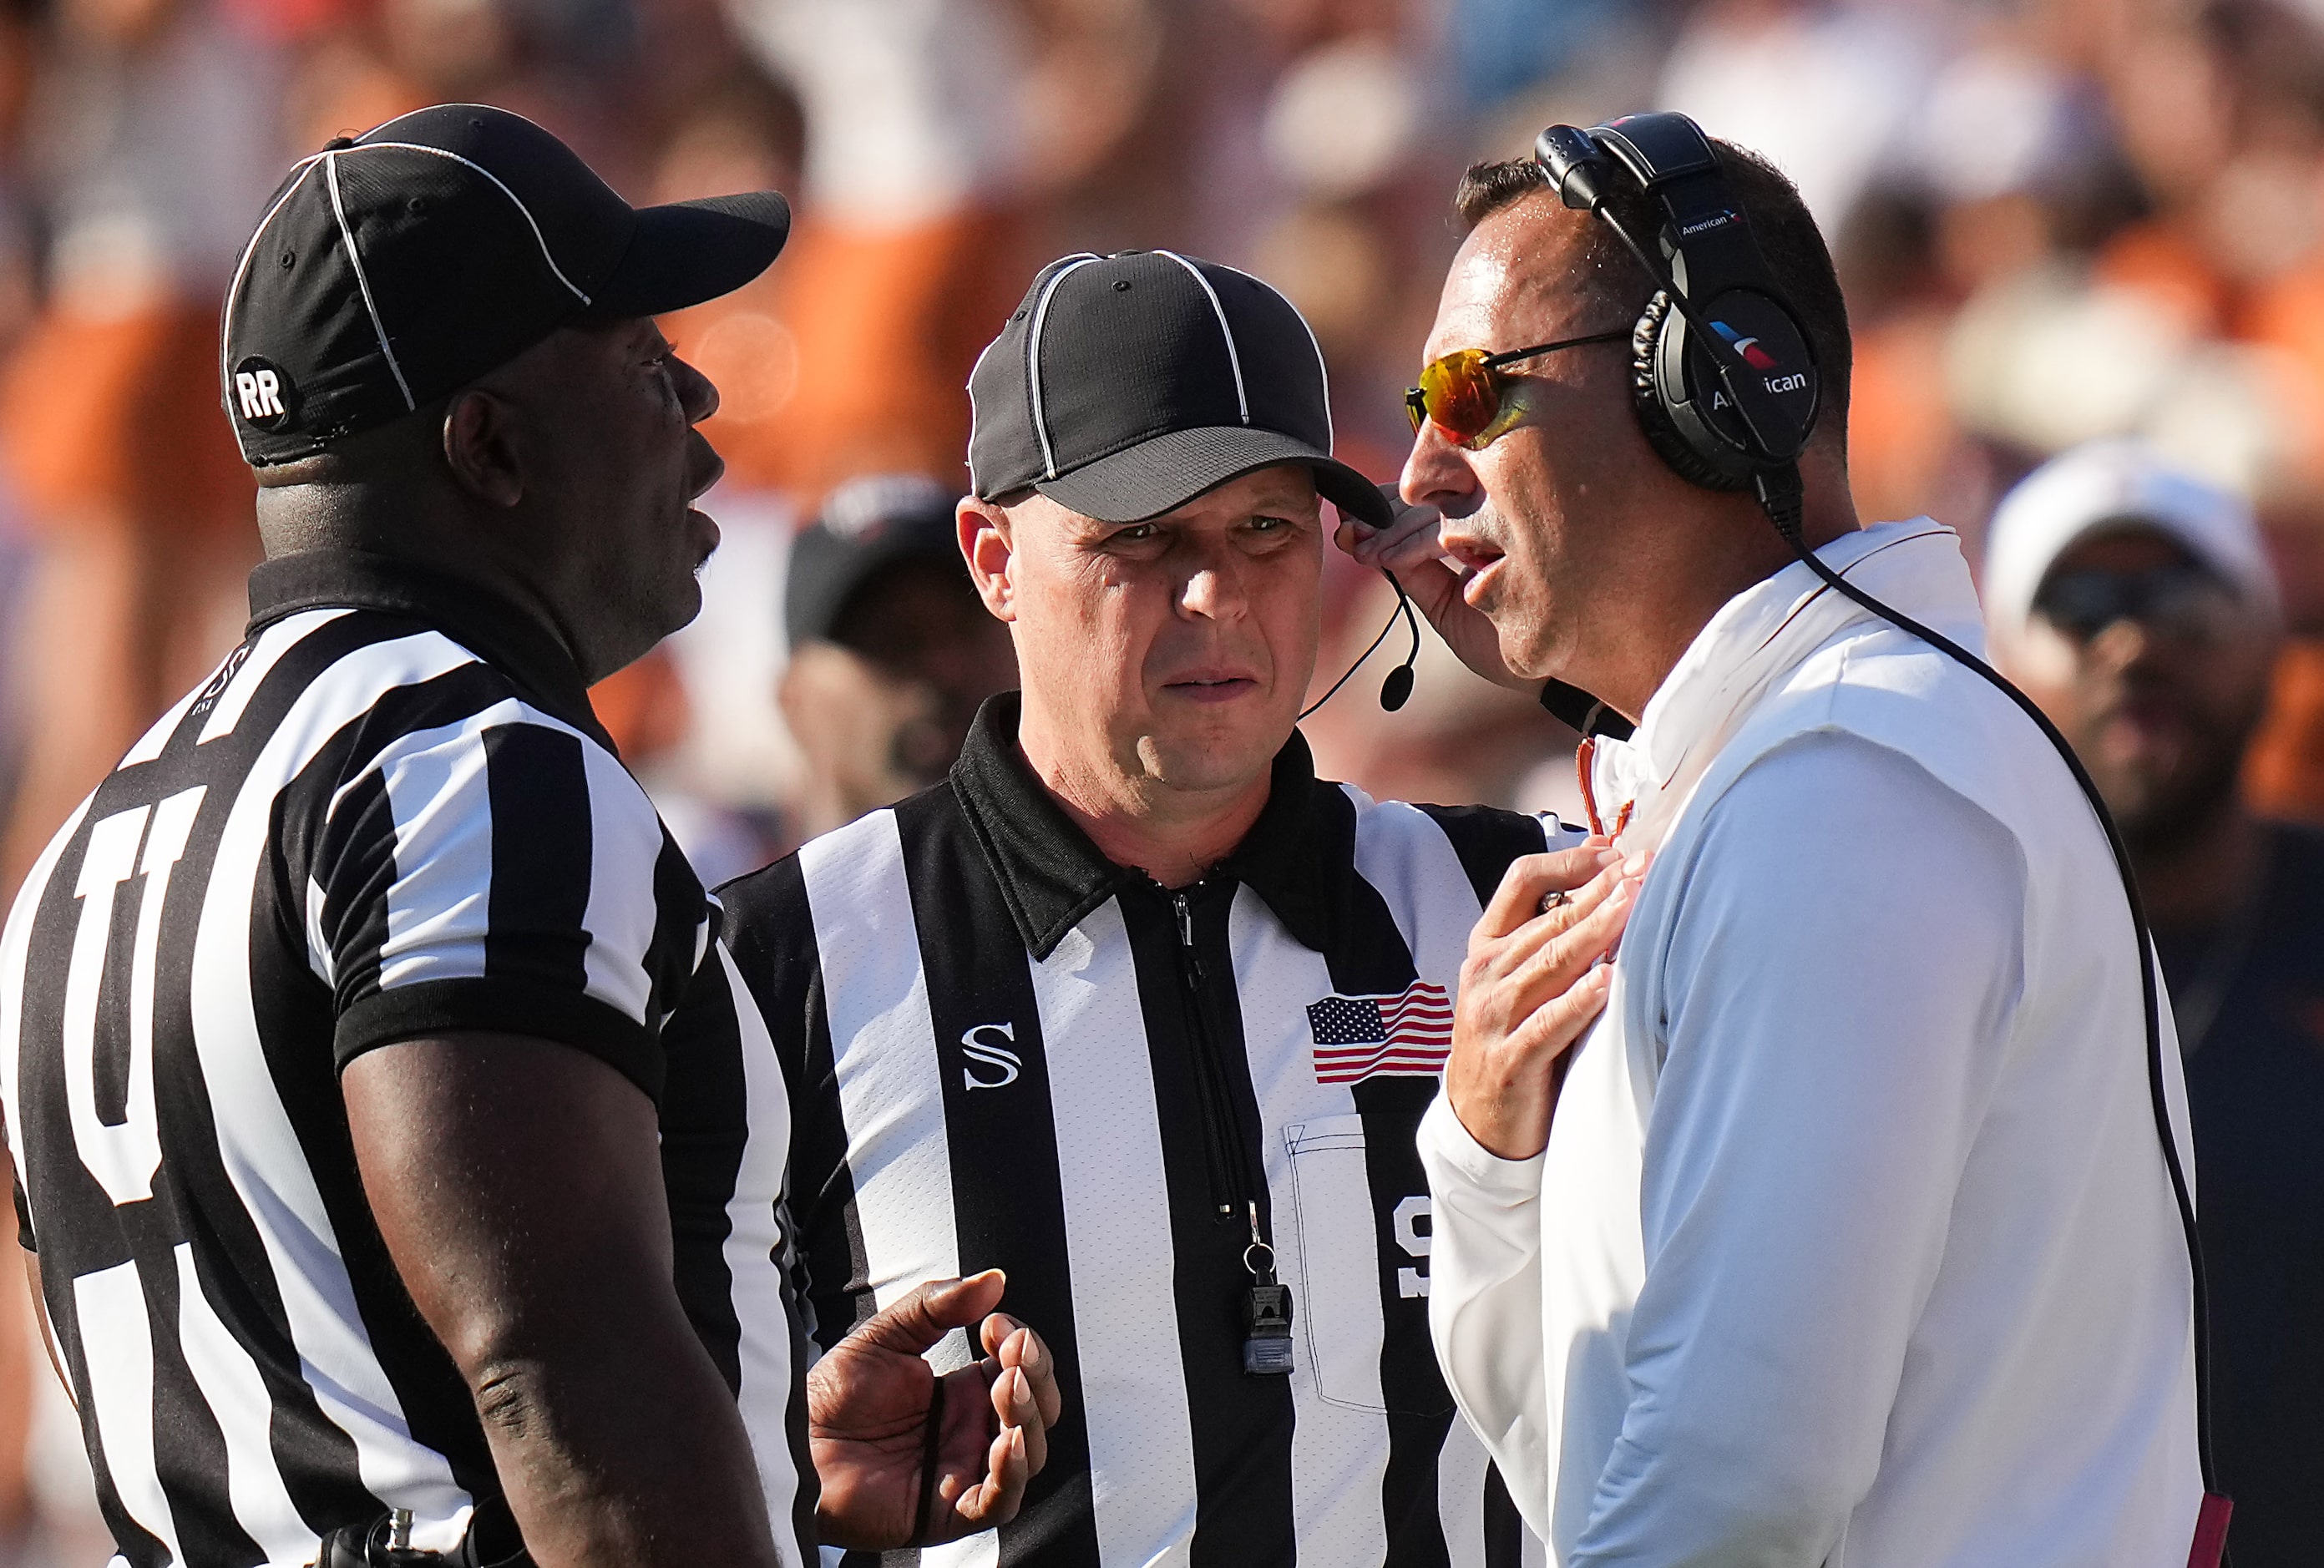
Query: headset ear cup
x=1662 y=431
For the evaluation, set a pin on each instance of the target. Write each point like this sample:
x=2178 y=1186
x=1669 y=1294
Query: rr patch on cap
x=262 y=393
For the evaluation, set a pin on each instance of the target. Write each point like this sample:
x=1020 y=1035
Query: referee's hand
x=868 y=1402
x=1532 y=982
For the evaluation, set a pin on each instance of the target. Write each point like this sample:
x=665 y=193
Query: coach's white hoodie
x=1853 y=1244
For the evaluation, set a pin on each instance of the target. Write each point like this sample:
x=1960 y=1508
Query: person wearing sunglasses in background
x=1844 y=1235
x=2135 y=602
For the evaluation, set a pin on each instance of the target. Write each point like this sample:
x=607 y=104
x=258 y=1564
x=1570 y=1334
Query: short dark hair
x=1780 y=221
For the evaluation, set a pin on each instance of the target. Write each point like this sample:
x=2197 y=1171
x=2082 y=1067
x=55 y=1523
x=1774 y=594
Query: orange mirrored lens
x=1462 y=393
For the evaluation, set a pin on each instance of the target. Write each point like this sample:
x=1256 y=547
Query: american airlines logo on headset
x=1705 y=224
x=1758 y=358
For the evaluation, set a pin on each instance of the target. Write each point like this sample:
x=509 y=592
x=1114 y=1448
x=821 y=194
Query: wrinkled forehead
x=1526 y=274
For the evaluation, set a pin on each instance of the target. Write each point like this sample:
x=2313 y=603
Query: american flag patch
x=1363 y=1036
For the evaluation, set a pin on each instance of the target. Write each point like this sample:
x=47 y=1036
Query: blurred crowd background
x=2055 y=220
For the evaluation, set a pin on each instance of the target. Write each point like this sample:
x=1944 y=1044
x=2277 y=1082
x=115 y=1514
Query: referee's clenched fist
x=908 y=1455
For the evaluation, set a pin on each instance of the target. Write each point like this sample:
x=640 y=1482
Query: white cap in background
x=2105 y=485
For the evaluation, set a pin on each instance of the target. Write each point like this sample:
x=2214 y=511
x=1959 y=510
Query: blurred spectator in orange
x=744 y=134
x=930 y=125
x=892 y=651
x=2135 y=603
x=1998 y=180
x=1901 y=440
x=2284 y=776
x=2222 y=110
x=146 y=161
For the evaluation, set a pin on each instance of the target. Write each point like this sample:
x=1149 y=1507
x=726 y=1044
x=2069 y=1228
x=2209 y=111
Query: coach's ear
x=986 y=543
x=480 y=448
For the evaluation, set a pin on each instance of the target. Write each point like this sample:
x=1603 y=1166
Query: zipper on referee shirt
x=1221 y=1138
x=1266 y=1302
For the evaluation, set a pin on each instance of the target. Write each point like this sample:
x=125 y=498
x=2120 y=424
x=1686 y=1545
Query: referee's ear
x=481 y=450
x=987 y=544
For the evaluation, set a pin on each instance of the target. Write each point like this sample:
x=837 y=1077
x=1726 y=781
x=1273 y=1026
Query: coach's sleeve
x=1839 y=984
x=508 y=877
x=1484 y=1300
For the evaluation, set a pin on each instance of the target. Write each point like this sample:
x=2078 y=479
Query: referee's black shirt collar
x=494 y=629
x=1298 y=856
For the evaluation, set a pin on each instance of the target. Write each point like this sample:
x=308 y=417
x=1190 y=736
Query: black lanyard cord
x=1779 y=493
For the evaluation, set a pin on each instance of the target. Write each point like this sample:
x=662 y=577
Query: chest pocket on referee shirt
x=1352 y=1243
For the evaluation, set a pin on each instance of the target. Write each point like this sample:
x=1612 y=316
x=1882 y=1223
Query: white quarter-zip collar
x=1756 y=639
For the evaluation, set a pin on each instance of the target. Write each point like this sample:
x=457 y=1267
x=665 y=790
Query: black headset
x=1725 y=387
x=1722 y=375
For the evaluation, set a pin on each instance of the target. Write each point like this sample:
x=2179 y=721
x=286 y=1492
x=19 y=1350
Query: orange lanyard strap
x=1583 y=756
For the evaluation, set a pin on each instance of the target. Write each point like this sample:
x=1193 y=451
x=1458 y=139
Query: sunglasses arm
x=1495 y=361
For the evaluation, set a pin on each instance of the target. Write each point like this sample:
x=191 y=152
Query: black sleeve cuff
x=24 y=1237
x=439 y=1006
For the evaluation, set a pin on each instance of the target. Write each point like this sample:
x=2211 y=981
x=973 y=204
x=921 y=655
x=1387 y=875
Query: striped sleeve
x=503 y=873
x=1487 y=840
x=726 y=1151
x=771 y=930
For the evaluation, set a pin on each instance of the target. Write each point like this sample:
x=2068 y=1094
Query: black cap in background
x=398 y=267
x=867 y=525
x=1126 y=385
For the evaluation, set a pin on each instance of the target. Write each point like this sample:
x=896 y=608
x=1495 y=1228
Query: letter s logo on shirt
x=988 y=1053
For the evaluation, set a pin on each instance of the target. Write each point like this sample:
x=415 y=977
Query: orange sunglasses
x=1463 y=394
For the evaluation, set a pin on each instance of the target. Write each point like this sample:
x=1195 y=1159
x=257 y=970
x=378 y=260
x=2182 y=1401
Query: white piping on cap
x=1033 y=354
x=974 y=487
x=538 y=237
x=1330 y=437
x=1234 y=358
x=1323 y=369
x=305 y=166
x=363 y=284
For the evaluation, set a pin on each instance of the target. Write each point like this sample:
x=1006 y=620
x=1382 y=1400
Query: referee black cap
x=1126 y=385
x=396 y=267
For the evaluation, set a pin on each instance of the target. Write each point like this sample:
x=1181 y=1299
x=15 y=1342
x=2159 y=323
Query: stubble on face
x=1166 y=659
x=613 y=431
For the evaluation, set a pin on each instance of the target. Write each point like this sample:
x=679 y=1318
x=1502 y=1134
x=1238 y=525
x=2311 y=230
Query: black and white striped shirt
x=1005 y=1051
x=389 y=813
